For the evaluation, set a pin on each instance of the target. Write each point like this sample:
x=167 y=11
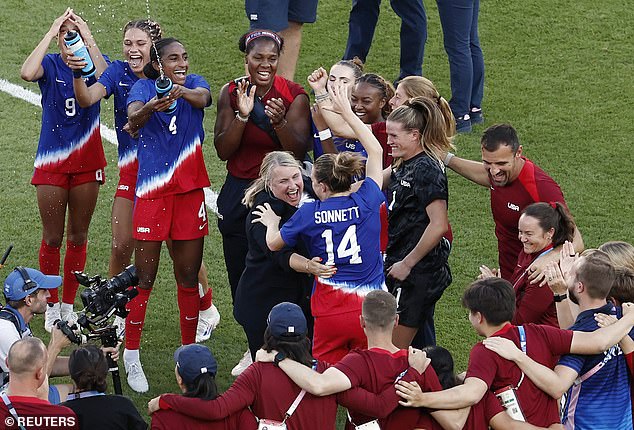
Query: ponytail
x=338 y=171
x=417 y=86
x=553 y=215
x=424 y=114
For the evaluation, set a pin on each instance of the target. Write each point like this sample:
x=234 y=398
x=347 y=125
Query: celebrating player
x=69 y=162
x=343 y=229
x=118 y=79
x=417 y=250
x=171 y=176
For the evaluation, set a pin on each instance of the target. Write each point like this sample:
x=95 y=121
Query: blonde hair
x=417 y=86
x=424 y=115
x=621 y=253
x=271 y=160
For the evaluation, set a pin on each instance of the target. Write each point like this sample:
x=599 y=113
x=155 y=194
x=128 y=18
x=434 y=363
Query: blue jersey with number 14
x=345 y=232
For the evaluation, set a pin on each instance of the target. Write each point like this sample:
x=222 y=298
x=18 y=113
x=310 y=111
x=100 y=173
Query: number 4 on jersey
x=347 y=248
x=172 y=126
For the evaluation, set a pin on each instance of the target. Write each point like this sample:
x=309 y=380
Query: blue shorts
x=53 y=395
x=275 y=14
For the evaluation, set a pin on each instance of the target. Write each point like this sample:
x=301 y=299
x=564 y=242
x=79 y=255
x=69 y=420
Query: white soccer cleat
x=208 y=320
x=52 y=314
x=244 y=362
x=136 y=377
x=119 y=325
x=66 y=309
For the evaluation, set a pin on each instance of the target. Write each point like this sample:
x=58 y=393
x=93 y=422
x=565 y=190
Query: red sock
x=189 y=305
x=136 y=318
x=74 y=260
x=205 y=301
x=49 y=265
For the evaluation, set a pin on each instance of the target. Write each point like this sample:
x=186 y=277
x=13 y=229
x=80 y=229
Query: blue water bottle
x=73 y=40
x=163 y=86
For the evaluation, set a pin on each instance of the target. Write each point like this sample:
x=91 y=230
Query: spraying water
x=161 y=73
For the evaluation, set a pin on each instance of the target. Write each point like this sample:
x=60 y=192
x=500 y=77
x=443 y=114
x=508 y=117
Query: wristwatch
x=560 y=297
x=279 y=357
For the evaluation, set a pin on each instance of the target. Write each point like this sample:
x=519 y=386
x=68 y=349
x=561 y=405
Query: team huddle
x=335 y=261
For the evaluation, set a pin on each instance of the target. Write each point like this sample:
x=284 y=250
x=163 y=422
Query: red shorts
x=127 y=182
x=336 y=335
x=177 y=217
x=67 y=180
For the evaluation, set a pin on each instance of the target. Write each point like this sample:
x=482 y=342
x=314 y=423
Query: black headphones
x=28 y=283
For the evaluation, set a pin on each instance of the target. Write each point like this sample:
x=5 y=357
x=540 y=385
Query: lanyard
x=84 y=395
x=526 y=271
x=520 y=328
x=12 y=411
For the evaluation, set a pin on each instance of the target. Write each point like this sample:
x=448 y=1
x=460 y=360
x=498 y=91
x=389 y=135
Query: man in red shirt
x=25 y=402
x=374 y=369
x=515 y=183
x=491 y=304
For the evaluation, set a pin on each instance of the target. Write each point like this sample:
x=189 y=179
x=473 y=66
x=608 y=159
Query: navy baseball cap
x=287 y=320
x=193 y=360
x=17 y=288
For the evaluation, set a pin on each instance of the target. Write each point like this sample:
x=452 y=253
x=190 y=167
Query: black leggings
x=231 y=223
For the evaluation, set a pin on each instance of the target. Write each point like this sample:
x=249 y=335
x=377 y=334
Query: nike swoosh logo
x=121 y=84
x=200 y=227
x=136 y=322
x=61 y=82
x=191 y=319
x=316 y=135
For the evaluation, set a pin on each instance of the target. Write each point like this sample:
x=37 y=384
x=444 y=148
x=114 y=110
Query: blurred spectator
x=22 y=405
x=89 y=370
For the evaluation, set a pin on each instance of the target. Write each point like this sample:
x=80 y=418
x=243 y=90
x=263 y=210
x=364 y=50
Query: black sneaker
x=463 y=124
x=476 y=116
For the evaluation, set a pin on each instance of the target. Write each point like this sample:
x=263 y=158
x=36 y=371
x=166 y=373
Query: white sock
x=131 y=355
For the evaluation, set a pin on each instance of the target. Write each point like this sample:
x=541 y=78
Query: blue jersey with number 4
x=70 y=141
x=345 y=232
x=170 y=145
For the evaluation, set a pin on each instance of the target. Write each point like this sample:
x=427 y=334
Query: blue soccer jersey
x=341 y=144
x=602 y=400
x=118 y=79
x=170 y=145
x=345 y=232
x=70 y=141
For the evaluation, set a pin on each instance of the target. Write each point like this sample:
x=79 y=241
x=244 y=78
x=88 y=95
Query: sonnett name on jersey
x=336 y=215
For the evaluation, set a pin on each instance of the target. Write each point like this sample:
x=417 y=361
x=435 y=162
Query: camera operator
x=26 y=292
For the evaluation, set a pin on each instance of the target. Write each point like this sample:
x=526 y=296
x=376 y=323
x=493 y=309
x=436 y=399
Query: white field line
x=106 y=133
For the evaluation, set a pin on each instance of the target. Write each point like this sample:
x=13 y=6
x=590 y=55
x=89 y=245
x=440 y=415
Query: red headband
x=257 y=34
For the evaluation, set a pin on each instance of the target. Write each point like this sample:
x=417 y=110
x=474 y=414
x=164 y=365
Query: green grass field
x=560 y=72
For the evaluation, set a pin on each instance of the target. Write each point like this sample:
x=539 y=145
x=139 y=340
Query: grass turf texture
x=556 y=71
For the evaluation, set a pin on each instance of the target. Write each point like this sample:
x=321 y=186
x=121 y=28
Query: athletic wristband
x=448 y=158
x=76 y=73
x=325 y=134
x=241 y=118
x=560 y=297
